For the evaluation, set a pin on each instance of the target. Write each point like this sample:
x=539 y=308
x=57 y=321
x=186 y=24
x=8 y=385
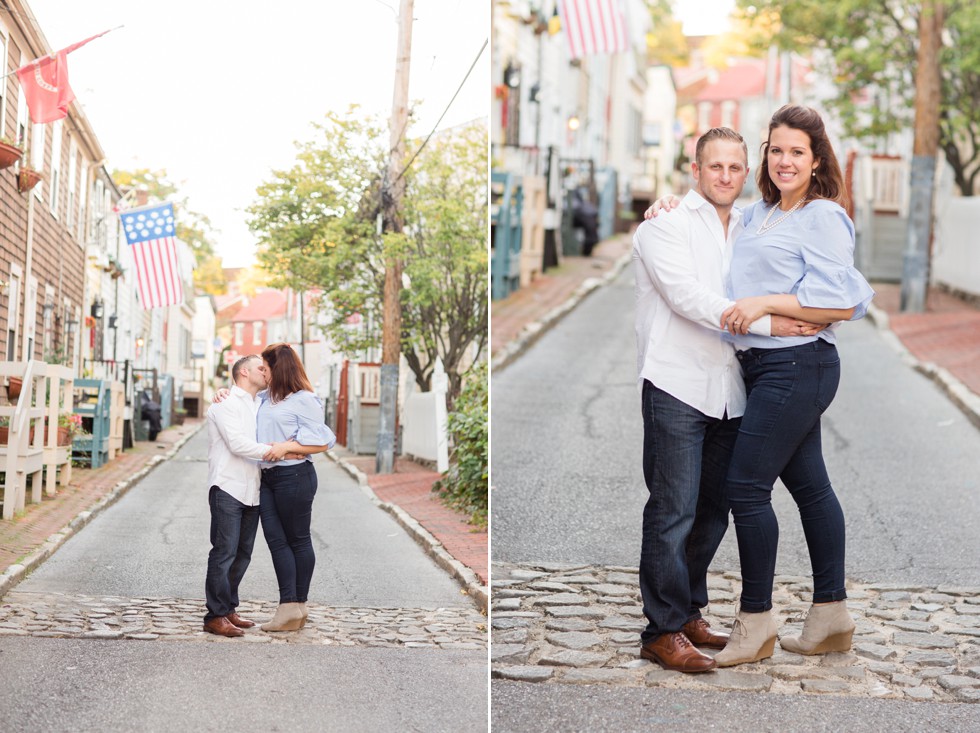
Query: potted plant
x=10 y=152
x=5 y=432
x=27 y=179
x=15 y=384
x=69 y=425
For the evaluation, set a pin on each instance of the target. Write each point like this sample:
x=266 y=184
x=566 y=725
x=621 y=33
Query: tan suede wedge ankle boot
x=828 y=628
x=288 y=617
x=753 y=638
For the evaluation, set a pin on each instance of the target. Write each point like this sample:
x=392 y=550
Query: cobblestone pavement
x=148 y=619
x=580 y=624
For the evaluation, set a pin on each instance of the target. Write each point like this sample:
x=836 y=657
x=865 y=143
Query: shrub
x=465 y=485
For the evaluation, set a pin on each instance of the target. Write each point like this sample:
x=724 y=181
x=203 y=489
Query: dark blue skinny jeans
x=233 y=527
x=286 y=505
x=685 y=460
x=788 y=390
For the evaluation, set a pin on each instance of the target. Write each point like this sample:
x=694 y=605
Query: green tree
x=666 y=43
x=317 y=229
x=872 y=47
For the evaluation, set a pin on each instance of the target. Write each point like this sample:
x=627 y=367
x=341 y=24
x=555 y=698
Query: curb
x=17 y=572
x=433 y=547
x=534 y=330
x=957 y=392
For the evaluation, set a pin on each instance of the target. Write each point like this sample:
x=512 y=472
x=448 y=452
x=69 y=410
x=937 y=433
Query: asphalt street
x=568 y=488
x=154 y=543
x=567 y=438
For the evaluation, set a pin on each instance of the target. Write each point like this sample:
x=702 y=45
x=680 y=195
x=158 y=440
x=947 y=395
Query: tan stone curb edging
x=435 y=549
x=956 y=391
x=16 y=573
x=535 y=330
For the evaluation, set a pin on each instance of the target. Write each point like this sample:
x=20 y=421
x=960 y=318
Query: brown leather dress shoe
x=244 y=623
x=222 y=627
x=675 y=651
x=700 y=634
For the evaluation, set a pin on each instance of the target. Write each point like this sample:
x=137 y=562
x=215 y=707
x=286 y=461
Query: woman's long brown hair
x=286 y=373
x=828 y=180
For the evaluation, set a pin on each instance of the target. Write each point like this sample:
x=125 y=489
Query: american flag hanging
x=593 y=27
x=151 y=235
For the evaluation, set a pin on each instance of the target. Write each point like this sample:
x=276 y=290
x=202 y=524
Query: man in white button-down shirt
x=692 y=397
x=234 y=476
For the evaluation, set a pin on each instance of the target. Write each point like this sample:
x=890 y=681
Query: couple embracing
x=737 y=363
x=261 y=436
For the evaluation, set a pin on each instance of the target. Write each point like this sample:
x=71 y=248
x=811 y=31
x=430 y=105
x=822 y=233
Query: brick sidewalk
x=510 y=315
x=946 y=334
x=30 y=530
x=410 y=489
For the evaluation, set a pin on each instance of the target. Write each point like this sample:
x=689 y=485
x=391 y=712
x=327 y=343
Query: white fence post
x=440 y=386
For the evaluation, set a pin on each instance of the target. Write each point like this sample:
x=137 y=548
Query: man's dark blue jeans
x=685 y=460
x=286 y=505
x=233 y=527
x=788 y=389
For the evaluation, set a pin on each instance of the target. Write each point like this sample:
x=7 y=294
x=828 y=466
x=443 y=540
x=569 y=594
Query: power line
x=436 y=126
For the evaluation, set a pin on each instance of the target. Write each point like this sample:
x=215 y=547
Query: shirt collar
x=239 y=392
x=694 y=201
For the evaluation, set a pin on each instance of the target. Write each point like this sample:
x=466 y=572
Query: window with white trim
x=728 y=113
x=97 y=212
x=30 y=319
x=23 y=114
x=4 y=41
x=82 y=203
x=37 y=153
x=256 y=333
x=47 y=322
x=13 y=309
x=704 y=117
x=239 y=334
x=72 y=174
x=56 y=133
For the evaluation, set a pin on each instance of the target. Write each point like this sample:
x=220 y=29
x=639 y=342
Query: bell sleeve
x=830 y=279
x=311 y=429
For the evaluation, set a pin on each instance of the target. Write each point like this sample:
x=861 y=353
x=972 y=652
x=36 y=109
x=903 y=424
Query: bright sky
x=703 y=17
x=216 y=92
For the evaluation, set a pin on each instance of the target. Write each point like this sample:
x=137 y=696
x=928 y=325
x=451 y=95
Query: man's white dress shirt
x=233 y=452
x=681 y=261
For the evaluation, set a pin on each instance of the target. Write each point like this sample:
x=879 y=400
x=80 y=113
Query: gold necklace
x=766 y=226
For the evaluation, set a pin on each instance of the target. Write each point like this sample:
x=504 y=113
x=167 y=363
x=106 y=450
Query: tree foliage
x=317 y=224
x=466 y=485
x=871 y=46
x=666 y=44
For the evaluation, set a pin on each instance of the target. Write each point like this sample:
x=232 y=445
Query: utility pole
x=928 y=81
x=391 y=196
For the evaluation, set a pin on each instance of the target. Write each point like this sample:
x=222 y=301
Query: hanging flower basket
x=9 y=154
x=27 y=179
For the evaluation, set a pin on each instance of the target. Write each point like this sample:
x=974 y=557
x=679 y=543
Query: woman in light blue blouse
x=794 y=258
x=289 y=411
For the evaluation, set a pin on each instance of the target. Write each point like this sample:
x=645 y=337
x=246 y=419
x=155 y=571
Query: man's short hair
x=236 y=370
x=718 y=133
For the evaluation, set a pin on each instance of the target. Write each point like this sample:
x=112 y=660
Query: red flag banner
x=593 y=27
x=151 y=234
x=45 y=83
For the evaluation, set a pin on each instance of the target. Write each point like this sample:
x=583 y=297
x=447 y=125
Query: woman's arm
x=740 y=316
